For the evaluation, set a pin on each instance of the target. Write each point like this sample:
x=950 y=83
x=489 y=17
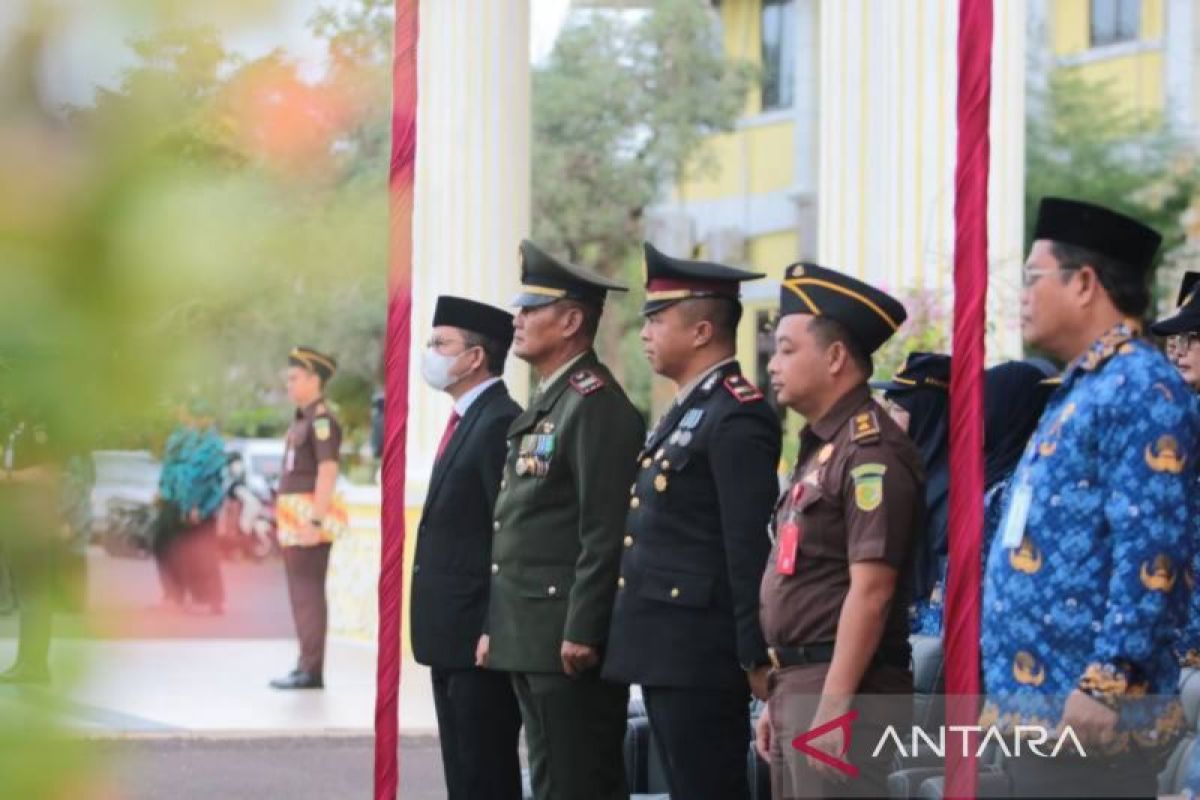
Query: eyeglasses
x=1031 y=276
x=437 y=343
x=1183 y=341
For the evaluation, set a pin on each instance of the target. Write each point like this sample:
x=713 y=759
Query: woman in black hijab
x=1014 y=396
x=918 y=398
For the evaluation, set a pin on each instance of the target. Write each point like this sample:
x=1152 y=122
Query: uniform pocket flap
x=551 y=582
x=679 y=588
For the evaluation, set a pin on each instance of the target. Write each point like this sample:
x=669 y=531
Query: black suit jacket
x=451 y=572
x=686 y=612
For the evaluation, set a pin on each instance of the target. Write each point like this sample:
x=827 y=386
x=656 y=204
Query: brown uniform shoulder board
x=585 y=382
x=742 y=390
x=864 y=428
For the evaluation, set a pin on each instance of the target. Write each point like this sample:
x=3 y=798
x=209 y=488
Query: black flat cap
x=546 y=279
x=313 y=361
x=1098 y=229
x=871 y=315
x=919 y=371
x=489 y=321
x=669 y=280
x=1186 y=318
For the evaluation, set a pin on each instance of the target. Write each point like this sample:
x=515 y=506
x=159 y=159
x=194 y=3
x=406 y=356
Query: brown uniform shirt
x=856 y=495
x=313 y=437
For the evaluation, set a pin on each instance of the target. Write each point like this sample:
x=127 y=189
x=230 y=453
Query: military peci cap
x=313 y=361
x=546 y=279
x=919 y=371
x=1186 y=318
x=669 y=280
x=470 y=315
x=1098 y=229
x=871 y=315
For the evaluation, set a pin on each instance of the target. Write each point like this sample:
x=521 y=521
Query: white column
x=472 y=184
x=807 y=109
x=1180 y=31
x=887 y=151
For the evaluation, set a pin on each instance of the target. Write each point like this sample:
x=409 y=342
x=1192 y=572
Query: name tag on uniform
x=1018 y=513
x=789 y=536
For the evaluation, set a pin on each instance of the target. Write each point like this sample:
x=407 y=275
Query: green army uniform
x=556 y=550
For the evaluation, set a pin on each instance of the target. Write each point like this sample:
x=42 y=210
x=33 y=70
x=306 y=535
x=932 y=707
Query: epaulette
x=585 y=382
x=864 y=428
x=742 y=390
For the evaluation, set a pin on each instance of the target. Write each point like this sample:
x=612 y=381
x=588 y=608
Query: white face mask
x=436 y=369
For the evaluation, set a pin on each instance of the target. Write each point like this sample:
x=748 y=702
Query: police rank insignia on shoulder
x=742 y=390
x=868 y=486
x=321 y=428
x=864 y=427
x=585 y=382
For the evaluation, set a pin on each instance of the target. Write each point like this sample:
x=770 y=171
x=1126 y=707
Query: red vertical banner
x=966 y=385
x=401 y=185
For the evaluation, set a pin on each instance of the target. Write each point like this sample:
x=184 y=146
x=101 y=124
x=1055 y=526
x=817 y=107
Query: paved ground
x=256 y=769
x=177 y=705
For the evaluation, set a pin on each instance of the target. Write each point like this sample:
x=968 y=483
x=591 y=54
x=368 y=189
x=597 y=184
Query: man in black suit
x=685 y=624
x=478 y=716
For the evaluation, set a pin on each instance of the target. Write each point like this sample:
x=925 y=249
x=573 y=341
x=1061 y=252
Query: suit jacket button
x=553 y=590
x=629 y=541
x=675 y=592
x=495 y=569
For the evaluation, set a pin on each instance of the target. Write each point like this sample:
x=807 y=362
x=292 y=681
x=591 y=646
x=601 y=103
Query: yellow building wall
x=1135 y=80
x=754 y=159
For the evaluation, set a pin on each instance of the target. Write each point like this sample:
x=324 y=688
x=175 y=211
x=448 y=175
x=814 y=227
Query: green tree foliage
x=1083 y=142
x=620 y=110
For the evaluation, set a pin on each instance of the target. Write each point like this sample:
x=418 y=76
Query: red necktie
x=451 y=424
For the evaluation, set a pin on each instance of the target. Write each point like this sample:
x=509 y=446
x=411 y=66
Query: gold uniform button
x=553 y=590
x=620 y=583
x=495 y=569
x=629 y=541
x=646 y=462
x=675 y=592
x=634 y=502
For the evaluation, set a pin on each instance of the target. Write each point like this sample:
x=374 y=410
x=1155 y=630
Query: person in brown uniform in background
x=835 y=590
x=307 y=513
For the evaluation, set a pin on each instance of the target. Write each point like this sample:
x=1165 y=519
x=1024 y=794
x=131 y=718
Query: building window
x=778 y=53
x=1115 y=21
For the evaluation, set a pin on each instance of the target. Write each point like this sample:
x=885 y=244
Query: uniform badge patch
x=321 y=428
x=585 y=382
x=864 y=427
x=742 y=390
x=1163 y=456
x=868 y=486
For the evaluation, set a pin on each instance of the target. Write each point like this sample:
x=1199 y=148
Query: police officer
x=308 y=515
x=478 y=717
x=1182 y=330
x=559 y=522
x=1084 y=585
x=28 y=475
x=685 y=623
x=835 y=588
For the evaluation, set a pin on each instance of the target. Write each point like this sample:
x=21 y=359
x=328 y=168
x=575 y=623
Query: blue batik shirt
x=1090 y=591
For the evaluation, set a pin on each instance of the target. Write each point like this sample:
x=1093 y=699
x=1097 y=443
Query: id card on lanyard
x=790 y=533
x=1012 y=530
